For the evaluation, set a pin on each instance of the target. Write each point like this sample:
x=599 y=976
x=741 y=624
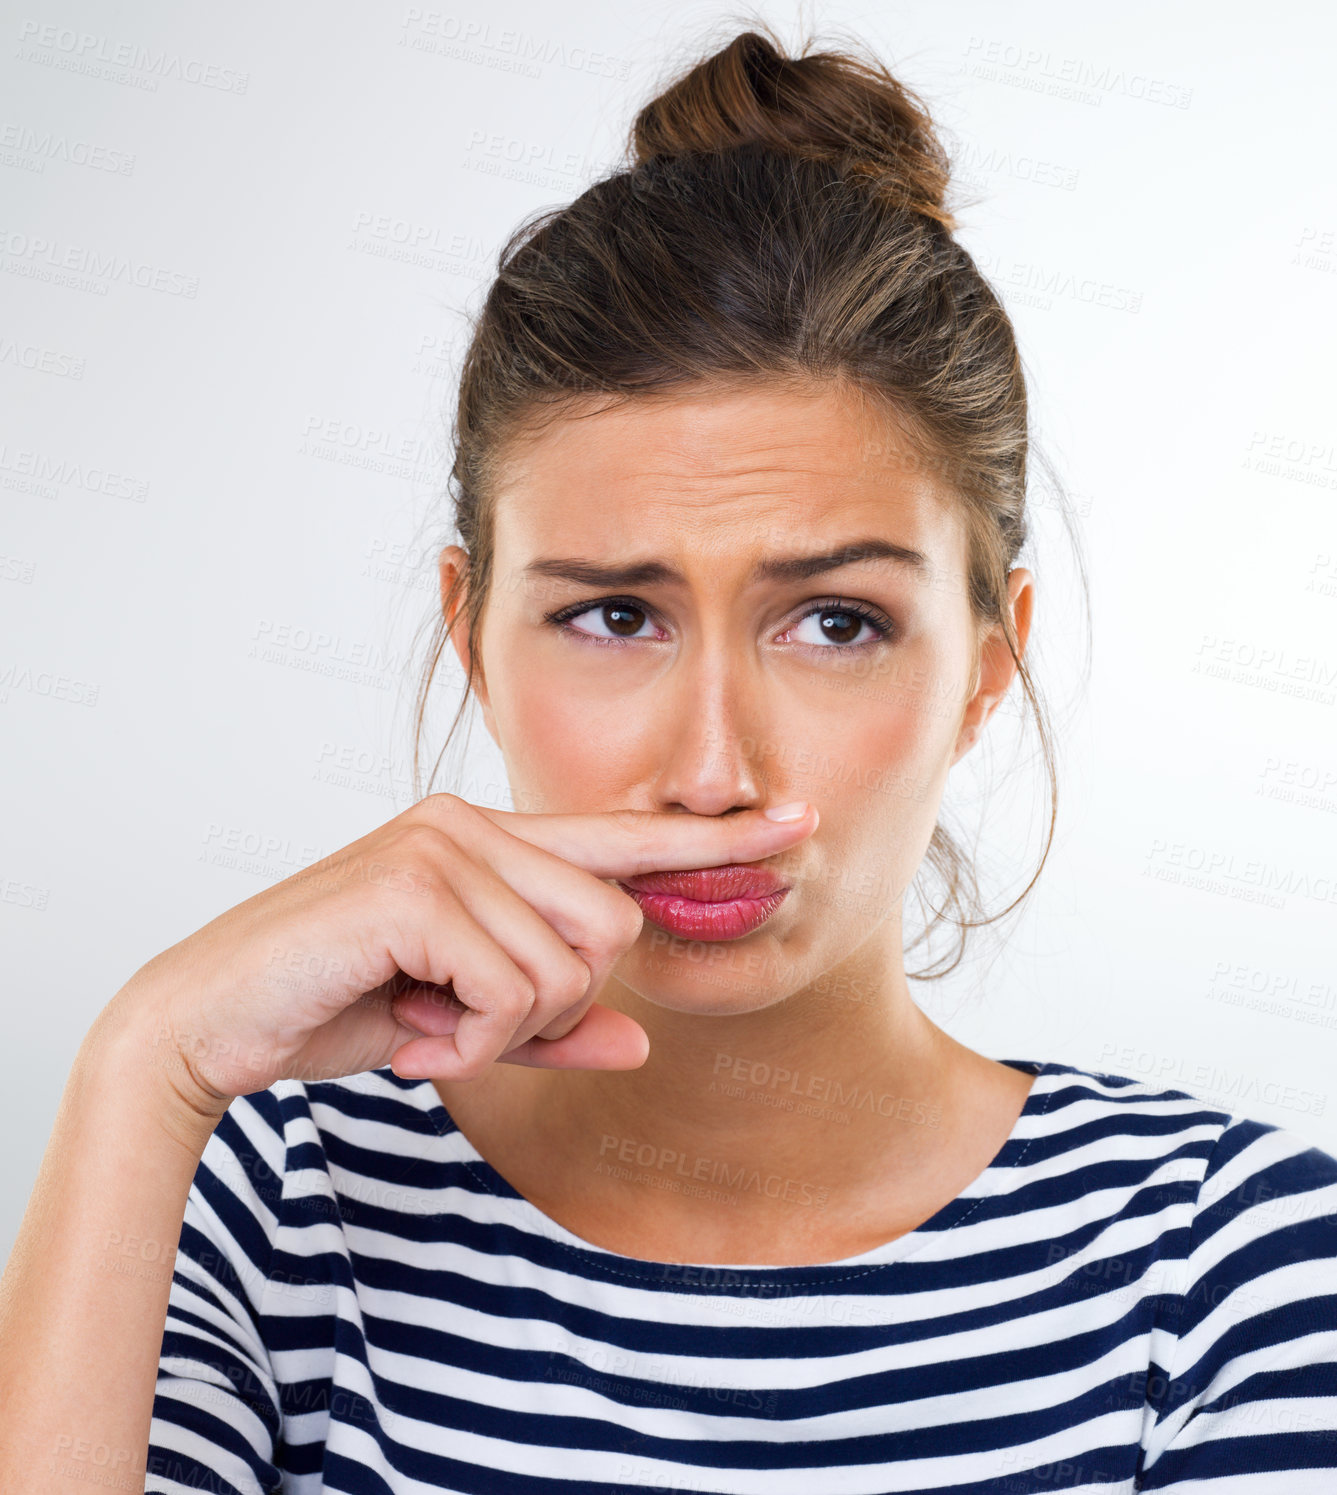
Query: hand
x=490 y=931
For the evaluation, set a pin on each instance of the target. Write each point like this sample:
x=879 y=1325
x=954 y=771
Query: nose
x=713 y=738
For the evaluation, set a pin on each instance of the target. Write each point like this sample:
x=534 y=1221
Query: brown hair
x=778 y=218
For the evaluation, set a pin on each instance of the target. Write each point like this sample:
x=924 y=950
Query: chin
x=715 y=978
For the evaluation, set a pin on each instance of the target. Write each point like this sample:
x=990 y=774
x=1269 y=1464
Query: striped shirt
x=1138 y=1293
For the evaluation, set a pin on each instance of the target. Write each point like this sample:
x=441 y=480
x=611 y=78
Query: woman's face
x=660 y=635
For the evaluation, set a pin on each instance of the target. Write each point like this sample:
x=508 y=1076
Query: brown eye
x=839 y=626
x=623 y=620
x=619 y=619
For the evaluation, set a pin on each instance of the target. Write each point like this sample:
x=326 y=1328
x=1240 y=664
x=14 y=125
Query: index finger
x=625 y=843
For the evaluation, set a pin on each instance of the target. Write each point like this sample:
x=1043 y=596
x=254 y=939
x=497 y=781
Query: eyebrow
x=771 y=568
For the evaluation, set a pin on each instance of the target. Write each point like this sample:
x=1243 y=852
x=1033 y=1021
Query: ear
x=997 y=666
x=454 y=562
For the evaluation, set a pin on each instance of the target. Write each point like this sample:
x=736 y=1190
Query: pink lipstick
x=708 y=903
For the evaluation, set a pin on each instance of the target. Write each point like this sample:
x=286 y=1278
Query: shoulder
x=1255 y=1200
x=364 y=1123
x=297 y=1124
x=1076 y=1106
x=1246 y=1162
x=1247 y=1353
x=371 y=1099
x=1230 y=1165
x=1233 y=1139
x=304 y=1152
x=1265 y=1218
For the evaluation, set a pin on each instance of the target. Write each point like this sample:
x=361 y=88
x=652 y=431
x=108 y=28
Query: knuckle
x=569 y=982
x=445 y=805
x=636 y=822
x=430 y=859
x=431 y=826
x=421 y=839
x=516 y=1000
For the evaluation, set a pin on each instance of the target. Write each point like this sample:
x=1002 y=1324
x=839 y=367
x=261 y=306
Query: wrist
x=132 y=1053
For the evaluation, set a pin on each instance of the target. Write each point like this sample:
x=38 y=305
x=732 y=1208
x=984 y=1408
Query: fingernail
x=794 y=811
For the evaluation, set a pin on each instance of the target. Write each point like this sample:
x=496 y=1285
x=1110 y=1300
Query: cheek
x=875 y=745
x=875 y=768
x=566 y=748
x=910 y=711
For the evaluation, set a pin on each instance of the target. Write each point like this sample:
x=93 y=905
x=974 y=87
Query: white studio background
x=238 y=248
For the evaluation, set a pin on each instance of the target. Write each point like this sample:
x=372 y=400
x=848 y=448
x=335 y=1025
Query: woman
x=360 y=1188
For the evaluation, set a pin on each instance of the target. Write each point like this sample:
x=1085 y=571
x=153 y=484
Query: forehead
x=744 y=468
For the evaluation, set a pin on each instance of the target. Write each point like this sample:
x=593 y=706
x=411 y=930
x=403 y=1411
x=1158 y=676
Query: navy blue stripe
x=1256 y=1453
x=215 y=1429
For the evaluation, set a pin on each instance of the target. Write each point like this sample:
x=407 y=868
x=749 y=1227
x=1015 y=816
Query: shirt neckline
x=703 y=1276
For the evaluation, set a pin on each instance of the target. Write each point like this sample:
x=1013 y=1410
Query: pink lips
x=708 y=903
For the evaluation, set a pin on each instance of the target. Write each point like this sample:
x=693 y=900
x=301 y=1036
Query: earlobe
x=484 y=705
x=977 y=714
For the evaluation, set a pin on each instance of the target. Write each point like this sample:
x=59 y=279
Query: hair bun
x=824 y=106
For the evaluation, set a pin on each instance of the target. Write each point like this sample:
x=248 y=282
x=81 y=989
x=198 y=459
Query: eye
x=841 y=624
x=620 y=617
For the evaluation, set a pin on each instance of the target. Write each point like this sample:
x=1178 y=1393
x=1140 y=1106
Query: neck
x=824 y=1090
x=821 y=1124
